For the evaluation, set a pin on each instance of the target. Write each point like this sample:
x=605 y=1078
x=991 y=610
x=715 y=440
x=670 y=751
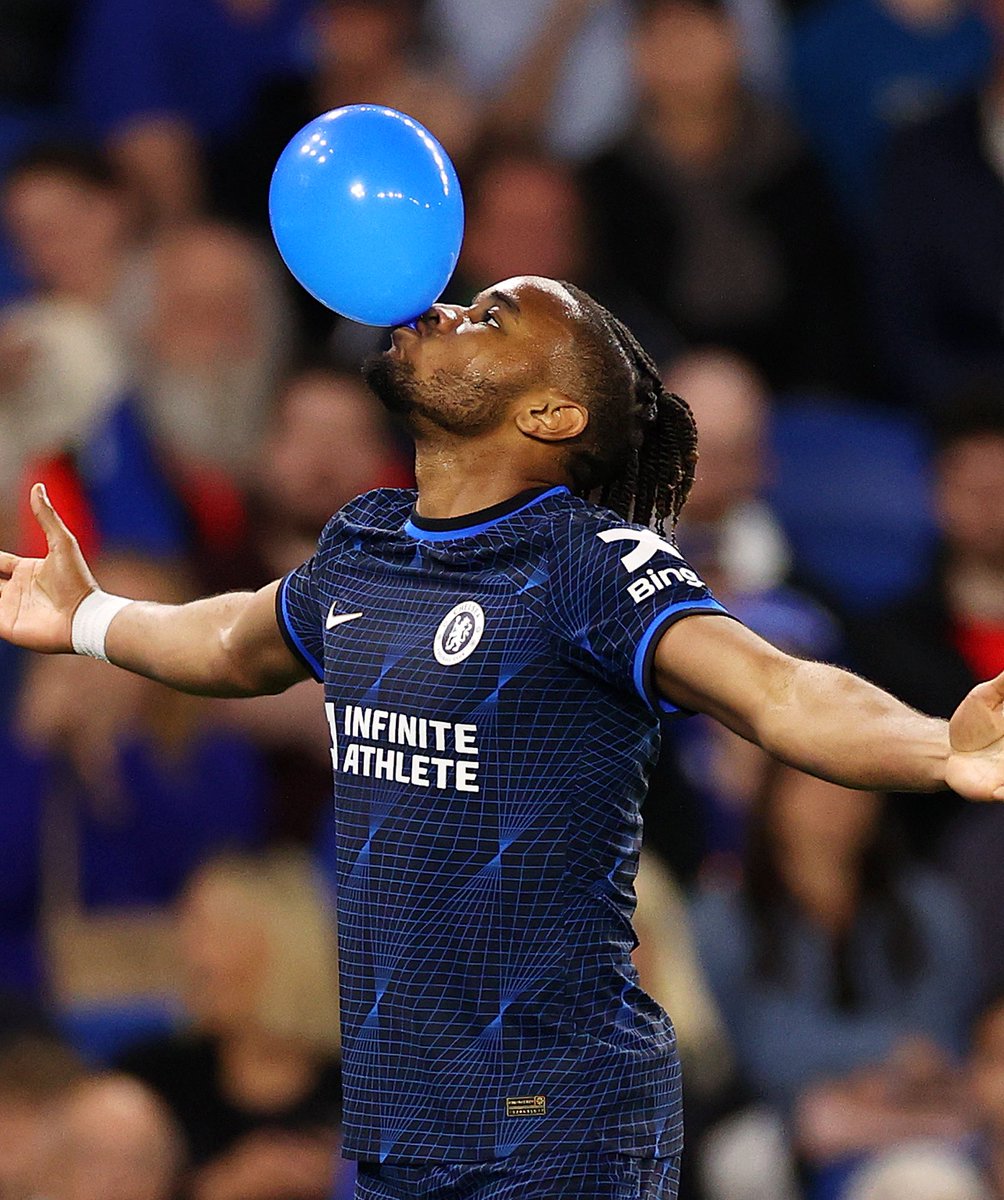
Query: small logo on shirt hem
x=526 y=1106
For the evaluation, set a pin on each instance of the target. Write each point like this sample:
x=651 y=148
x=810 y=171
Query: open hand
x=975 y=767
x=38 y=596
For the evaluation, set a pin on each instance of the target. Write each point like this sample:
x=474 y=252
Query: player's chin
x=388 y=376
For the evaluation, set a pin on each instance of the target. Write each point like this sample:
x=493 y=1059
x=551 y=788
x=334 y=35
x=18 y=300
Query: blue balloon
x=367 y=213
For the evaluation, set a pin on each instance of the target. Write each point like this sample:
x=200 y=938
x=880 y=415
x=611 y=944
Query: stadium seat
x=851 y=489
x=101 y=1032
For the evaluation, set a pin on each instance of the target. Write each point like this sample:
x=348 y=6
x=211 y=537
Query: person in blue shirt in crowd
x=159 y=80
x=939 y=251
x=862 y=69
x=496 y=649
x=845 y=974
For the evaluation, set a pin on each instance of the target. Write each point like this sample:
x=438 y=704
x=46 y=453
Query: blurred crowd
x=798 y=205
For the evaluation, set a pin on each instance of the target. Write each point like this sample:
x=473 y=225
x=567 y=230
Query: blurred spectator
x=669 y=972
x=861 y=69
x=933 y=646
x=155 y=80
x=747 y=1156
x=108 y=813
x=528 y=214
x=255 y=1086
x=62 y=372
x=61 y=361
x=64 y=363
x=90 y=735
x=112 y=1140
x=986 y=1086
x=35 y=1074
x=924 y=1171
x=361 y=51
x=939 y=244
x=213 y=343
x=327 y=442
x=728 y=527
x=733 y=540
x=557 y=71
x=845 y=975
x=34 y=40
x=711 y=211
x=73 y=224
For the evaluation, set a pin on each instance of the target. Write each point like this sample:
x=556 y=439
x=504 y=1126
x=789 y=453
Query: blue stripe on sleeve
x=646 y=647
x=292 y=638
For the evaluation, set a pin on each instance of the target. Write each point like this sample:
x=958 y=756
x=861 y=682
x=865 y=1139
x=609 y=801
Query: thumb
x=50 y=520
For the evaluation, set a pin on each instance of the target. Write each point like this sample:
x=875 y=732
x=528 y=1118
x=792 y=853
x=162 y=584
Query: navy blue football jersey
x=488 y=688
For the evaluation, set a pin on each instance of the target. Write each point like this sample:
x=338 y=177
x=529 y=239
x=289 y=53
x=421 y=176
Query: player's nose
x=440 y=318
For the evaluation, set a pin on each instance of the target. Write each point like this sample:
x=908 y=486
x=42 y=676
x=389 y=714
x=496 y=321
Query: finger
x=7 y=564
x=50 y=520
x=990 y=693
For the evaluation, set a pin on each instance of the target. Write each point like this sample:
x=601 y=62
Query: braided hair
x=639 y=453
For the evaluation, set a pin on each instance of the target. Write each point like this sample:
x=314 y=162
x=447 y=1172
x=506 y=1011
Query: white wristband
x=90 y=623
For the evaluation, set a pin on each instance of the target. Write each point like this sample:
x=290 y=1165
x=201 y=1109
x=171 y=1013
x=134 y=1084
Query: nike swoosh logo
x=339 y=618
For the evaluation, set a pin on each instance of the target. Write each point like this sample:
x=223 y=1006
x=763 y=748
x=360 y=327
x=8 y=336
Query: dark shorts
x=577 y=1175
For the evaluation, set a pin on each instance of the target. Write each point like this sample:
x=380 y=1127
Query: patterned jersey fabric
x=487 y=684
x=584 y=1174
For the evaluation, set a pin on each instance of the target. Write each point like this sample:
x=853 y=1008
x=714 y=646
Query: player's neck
x=457 y=479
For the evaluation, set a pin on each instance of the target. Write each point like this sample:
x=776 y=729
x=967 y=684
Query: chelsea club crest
x=459 y=633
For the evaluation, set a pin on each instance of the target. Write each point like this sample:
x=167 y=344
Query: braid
x=644 y=450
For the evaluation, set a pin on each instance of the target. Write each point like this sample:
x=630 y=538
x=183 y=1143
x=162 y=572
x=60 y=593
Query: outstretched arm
x=827 y=721
x=225 y=646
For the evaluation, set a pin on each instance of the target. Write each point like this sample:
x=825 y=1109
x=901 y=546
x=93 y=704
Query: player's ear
x=551 y=416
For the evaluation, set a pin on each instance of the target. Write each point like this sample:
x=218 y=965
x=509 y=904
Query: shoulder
x=575 y=528
x=383 y=510
x=595 y=538
x=577 y=521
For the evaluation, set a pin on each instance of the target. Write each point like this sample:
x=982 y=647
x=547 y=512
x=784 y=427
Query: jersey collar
x=441 y=529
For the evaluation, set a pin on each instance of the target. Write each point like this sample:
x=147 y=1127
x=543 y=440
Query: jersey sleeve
x=613 y=591
x=300 y=619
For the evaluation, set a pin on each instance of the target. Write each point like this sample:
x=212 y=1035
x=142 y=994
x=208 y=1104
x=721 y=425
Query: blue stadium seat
x=101 y=1032
x=851 y=489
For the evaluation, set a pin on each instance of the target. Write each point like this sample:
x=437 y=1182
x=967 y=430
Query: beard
x=392 y=382
x=464 y=405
